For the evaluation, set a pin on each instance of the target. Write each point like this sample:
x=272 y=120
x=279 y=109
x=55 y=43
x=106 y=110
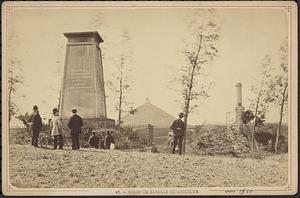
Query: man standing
x=35 y=121
x=178 y=127
x=75 y=123
x=108 y=140
x=56 y=129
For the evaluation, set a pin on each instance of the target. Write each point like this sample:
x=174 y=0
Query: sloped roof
x=148 y=114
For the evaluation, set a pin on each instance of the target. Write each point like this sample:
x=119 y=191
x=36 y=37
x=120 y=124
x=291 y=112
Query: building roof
x=148 y=114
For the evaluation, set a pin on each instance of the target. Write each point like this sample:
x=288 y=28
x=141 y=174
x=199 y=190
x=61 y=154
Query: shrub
x=266 y=136
x=19 y=136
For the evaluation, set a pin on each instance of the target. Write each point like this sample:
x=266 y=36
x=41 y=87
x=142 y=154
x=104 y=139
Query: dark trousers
x=35 y=137
x=75 y=141
x=58 y=139
x=102 y=144
x=177 y=141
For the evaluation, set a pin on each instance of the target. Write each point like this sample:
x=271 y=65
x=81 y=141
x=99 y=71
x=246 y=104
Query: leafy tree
x=121 y=86
x=259 y=104
x=247 y=116
x=24 y=118
x=279 y=87
x=15 y=78
x=121 y=83
x=202 y=51
x=13 y=81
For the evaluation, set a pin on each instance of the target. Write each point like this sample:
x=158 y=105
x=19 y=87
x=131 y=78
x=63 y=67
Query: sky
x=158 y=37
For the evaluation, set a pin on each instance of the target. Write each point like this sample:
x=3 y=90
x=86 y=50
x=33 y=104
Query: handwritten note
x=242 y=191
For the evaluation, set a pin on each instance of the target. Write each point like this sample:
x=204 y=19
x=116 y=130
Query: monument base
x=93 y=123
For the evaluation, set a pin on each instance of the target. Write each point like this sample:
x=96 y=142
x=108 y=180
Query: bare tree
x=15 y=77
x=202 y=52
x=13 y=81
x=279 y=88
x=259 y=104
x=121 y=86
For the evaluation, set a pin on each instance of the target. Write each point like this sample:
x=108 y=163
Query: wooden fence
x=142 y=134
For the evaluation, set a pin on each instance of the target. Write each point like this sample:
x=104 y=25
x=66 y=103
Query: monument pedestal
x=94 y=123
x=83 y=81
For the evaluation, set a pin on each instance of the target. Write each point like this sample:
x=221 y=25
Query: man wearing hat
x=35 y=121
x=75 y=123
x=94 y=140
x=56 y=129
x=108 y=140
x=178 y=127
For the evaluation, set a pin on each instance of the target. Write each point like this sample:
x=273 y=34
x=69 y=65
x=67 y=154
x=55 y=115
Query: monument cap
x=75 y=37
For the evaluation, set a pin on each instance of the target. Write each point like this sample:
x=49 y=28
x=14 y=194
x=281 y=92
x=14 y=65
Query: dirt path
x=37 y=167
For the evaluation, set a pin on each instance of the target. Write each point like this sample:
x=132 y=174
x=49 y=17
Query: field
x=87 y=168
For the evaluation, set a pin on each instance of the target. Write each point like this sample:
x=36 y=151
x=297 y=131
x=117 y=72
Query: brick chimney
x=239 y=108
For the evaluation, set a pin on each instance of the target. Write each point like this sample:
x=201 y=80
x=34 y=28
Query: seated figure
x=94 y=140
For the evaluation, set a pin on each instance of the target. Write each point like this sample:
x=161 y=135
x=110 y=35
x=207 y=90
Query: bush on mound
x=220 y=139
x=212 y=139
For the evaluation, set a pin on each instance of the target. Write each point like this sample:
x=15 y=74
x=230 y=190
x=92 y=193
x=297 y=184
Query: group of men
x=96 y=141
x=74 y=124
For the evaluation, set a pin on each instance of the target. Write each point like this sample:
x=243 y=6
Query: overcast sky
x=157 y=41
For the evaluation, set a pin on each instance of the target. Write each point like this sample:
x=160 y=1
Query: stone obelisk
x=83 y=80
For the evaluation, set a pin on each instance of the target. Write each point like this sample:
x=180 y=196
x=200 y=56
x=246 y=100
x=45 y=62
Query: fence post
x=150 y=134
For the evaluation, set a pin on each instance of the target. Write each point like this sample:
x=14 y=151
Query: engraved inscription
x=79 y=79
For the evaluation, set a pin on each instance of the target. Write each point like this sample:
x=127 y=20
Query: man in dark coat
x=178 y=127
x=108 y=140
x=75 y=123
x=94 y=140
x=35 y=125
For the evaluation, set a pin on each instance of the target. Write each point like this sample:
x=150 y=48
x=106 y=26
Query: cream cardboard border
x=289 y=189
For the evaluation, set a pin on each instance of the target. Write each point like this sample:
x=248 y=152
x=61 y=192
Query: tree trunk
x=189 y=94
x=254 y=124
x=9 y=102
x=185 y=122
x=58 y=106
x=280 y=119
x=120 y=100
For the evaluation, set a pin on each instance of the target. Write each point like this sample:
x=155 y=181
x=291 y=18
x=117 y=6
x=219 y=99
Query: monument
x=239 y=108
x=83 y=79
